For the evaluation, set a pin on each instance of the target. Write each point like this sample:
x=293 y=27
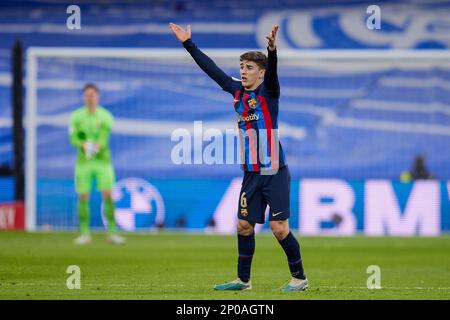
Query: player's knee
x=83 y=196
x=245 y=228
x=106 y=195
x=280 y=229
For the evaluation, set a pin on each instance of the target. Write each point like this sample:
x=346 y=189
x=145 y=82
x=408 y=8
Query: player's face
x=251 y=74
x=90 y=97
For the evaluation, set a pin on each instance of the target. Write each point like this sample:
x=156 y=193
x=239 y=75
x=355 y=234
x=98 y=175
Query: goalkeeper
x=90 y=127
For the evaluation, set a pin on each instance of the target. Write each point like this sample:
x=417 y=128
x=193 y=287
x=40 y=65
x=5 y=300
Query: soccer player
x=265 y=182
x=90 y=127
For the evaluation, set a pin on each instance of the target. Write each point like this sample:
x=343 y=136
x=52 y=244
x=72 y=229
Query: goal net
x=345 y=114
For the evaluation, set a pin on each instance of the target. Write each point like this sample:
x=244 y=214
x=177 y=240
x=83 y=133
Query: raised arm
x=271 y=76
x=203 y=61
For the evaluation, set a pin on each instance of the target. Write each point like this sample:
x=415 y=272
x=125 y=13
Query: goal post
x=30 y=141
x=130 y=75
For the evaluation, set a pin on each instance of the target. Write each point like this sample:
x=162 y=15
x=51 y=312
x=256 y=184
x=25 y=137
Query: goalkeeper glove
x=90 y=149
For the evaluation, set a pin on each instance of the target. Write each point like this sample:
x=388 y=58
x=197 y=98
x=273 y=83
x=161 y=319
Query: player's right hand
x=90 y=149
x=182 y=35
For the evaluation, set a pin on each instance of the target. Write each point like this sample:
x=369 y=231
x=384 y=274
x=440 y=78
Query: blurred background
x=366 y=136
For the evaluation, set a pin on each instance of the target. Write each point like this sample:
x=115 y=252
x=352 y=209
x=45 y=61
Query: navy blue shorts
x=258 y=191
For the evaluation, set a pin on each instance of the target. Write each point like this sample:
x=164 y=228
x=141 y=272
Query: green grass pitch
x=186 y=266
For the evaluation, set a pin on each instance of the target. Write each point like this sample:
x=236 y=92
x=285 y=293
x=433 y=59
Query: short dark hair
x=257 y=57
x=91 y=86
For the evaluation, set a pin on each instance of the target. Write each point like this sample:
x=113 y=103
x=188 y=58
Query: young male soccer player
x=90 y=127
x=265 y=182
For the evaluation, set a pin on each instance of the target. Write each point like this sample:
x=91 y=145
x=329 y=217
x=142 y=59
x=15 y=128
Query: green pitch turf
x=186 y=266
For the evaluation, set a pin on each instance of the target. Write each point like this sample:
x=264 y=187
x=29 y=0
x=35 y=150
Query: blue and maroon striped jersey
x=256 y=111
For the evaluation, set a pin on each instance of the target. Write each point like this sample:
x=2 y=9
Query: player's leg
x=291 y=248
x=108 y=209
x=105 y=182
x=84 y=213
x=246 y=248
x=251 y=210
x=83 y=182
x=276 y=189
x=105 y=177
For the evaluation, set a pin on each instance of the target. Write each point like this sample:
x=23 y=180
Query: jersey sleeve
x=271 y=76
x=105 y=130
x=209 y=67
x=75 y=135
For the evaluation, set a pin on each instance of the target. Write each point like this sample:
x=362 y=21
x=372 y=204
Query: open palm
x=271 y=37
x=181 y=34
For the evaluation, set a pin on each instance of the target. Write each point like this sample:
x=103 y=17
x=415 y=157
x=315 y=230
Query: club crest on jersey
x=252 y=103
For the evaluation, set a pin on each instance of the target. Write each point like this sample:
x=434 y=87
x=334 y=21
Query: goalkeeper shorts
x=86 y=173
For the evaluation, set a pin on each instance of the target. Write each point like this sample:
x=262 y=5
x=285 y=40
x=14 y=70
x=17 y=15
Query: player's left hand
x=181 y=34
x=271 y=37
x=90 y=149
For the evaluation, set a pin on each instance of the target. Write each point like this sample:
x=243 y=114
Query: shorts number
x=243 y=200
